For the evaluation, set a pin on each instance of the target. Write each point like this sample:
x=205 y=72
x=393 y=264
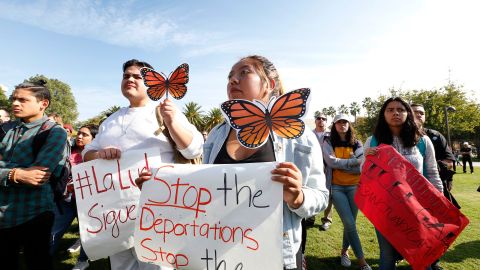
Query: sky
x=342 y=50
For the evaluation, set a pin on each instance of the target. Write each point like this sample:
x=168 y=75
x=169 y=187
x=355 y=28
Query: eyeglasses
x=135 y=76
x=419 y=112
x=321 y=118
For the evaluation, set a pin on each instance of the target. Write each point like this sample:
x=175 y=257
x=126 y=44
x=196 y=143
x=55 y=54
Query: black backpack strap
x=38 y=142
x=41 y=137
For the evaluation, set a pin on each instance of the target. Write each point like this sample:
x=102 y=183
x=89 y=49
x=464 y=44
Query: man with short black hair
x=26 y=197
x=134 y=127
x=443 y=154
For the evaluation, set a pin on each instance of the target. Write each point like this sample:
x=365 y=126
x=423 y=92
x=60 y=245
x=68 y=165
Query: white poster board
x=107 y=201
x=211 y=217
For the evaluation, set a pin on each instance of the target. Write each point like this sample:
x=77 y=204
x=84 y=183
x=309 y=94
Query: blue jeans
x=347 y=210
x=61 y=224
x=388 y=254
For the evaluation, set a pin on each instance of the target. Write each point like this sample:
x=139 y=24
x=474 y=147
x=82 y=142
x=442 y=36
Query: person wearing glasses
x=133 y=127
x=321 y=132
x=320 y=125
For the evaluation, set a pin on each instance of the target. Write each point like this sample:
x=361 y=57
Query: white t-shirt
x=320 y=135
x=133 y=128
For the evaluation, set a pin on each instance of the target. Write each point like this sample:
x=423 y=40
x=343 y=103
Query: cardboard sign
x=211 y=217
x=407 y=209
x=107 y=201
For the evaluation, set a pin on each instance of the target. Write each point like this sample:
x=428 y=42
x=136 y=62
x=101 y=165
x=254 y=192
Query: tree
x=98 y=119
x=111 y=110
x=325 y=111
x=62 y=100
x=366 y=126
x=193 y=112
x=354 y=110
x=4 y=101
x=331 y=111
x=343 y=109
x=463 y=122
x=213 y=118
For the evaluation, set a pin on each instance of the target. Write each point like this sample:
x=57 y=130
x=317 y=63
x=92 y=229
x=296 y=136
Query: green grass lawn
x=323 y=248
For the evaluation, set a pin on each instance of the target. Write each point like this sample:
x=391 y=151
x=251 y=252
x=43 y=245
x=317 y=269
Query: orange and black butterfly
x=254 y=122
x=158 y=84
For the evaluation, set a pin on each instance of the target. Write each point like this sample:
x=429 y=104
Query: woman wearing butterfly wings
x=259 y=134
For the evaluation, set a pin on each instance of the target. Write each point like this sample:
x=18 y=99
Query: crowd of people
x=325 y=176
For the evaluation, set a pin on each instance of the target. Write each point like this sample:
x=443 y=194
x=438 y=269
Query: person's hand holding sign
x=142 y=178
x=290 y=176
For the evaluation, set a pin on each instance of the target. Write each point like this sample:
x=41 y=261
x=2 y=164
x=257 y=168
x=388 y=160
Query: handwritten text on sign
x=211 y=217
x=414 y=217
x=107 y=201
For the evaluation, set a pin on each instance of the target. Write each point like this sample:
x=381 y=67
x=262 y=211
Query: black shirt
x=440 y=144
x=264 y=154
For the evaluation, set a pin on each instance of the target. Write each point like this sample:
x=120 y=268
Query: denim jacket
x=302 y=152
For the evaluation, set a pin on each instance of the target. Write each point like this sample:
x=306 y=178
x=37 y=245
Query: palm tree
x=343 y=109
x=354 y=109
x=213 y=118
x=331 y=111
x=98 y=119
x=110 y=110
x=4 y=100
x=193 y=112
x=325 y=111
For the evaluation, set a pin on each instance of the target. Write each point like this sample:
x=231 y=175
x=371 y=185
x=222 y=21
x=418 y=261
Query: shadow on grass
x=457 y=255
x=333 y=263
x=462 y=251
x=64 y=260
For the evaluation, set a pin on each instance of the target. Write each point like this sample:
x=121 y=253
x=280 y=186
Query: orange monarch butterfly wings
x=254 y=122
x=158 y=84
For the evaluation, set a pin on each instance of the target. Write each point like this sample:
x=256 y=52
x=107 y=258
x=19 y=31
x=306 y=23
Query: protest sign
x=407 y=209
x=107 y=201
x=211 y=217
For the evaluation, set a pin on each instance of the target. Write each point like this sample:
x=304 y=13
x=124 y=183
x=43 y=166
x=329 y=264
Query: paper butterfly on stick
x=158 y=84
x=254 y=121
